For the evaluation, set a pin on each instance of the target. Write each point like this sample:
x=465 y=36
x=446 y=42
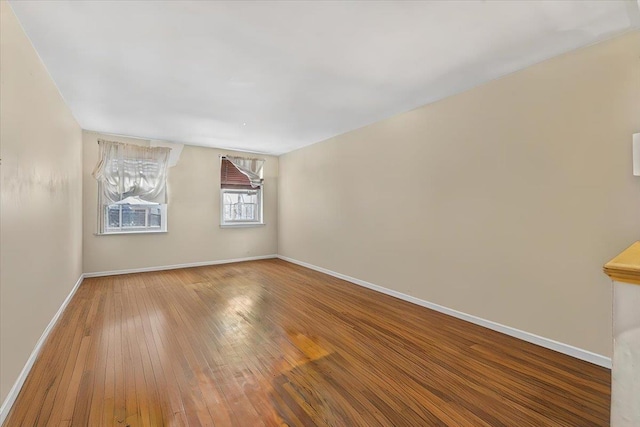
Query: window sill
x=118 y=233
x=246 y=225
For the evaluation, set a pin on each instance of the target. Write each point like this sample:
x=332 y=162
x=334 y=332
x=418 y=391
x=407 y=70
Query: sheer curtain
x=131 y=171
x=252 y=168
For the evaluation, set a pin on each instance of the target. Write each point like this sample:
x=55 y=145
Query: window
x=241 y=191
x=131 y=188
x=123 y=218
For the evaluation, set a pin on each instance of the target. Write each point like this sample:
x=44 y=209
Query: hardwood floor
x=269 y=343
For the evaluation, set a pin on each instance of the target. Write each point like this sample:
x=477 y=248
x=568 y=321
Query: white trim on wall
x=567 y=349
x=176 y=266
x=15 y=390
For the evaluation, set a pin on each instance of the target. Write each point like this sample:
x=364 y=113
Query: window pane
x=113 y=216
x=241 y=206
x=155 y=218
x=133 y=217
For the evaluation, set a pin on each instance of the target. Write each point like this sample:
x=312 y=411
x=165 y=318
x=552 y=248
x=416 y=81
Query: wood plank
x=269 y=343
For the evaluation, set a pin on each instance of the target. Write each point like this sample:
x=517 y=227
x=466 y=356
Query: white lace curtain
x=132 y=171
x=252 y=168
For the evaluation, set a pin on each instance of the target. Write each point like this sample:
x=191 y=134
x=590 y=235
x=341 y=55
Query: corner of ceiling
x=633 y=10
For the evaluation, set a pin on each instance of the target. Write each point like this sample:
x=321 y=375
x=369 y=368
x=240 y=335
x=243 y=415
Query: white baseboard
x=176 y=266
x=567 y=349
x=15 y=390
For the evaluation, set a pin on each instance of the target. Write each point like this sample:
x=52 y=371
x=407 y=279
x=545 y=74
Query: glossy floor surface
x=269 y=343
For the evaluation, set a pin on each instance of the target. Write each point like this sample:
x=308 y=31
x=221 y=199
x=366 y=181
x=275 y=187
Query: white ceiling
x=274 y=76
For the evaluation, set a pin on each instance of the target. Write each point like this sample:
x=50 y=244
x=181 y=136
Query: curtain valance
x=128 y=170
x=251 y=168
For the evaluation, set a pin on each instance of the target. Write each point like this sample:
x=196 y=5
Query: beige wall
x=41 y=205
x=503 y=202
x=194 y=233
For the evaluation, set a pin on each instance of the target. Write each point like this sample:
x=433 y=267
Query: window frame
x=241 y=223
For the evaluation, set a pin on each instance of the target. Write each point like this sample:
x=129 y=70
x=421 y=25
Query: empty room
x=320 y=213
